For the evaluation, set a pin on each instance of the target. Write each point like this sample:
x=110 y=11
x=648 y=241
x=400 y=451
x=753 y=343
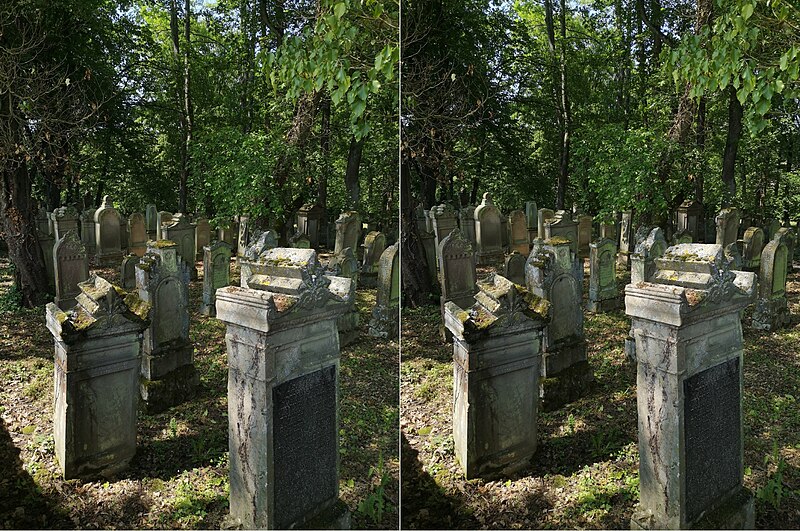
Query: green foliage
x=374 y=505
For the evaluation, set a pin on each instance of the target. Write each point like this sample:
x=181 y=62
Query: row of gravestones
x=116 y=349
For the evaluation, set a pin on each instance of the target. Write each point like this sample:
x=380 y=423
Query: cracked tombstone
x=71 y=267
x=384 y=322
x=283 y=393
x=97 y=356
x=603 y=293
x=772 y=311
x=689 y=391
x=216 y=274
x=496 y=364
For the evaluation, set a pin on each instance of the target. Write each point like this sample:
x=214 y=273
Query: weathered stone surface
x=46 y=243
x=127 y=271
x=162 y=218
x=682 y=236
x=495 y=377
x=66 y=218
x=466 y=221
x=442 y=221
x=137 y=243
x=348 y=232
x=488 y=232
x=151 y=221
x=457 y=275
x=374 y=245
x=283 y=387
x=97 y=349
x=310 y=220
x=562 y=226
x=300 y=241
x=518 y=227
x=71 y=267
x=643 y=261
x=87 y=231
x=385 y=316
x=627 y=243
x=243 y=236
x=202 y=236
x=216 y=274
x=428 y=241
x=584 y=235
x=752 y=245
x=124 y=234
x=689 y=216
x=772 y=311
x=182 y=233
x=727 y=226
x=108 y=242
x=788 y=237
x=545 y=215
x=262 y=242
x=514 y=267
x=689 y=375
x=603 y=293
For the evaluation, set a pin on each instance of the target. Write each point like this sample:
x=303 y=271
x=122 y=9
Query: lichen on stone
x=558 y=240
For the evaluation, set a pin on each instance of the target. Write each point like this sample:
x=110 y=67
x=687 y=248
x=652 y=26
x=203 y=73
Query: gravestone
x=488 y=232
x=243 y=237
x=443 y=221
x=771 y=311
x=182 y=233
x=643 y=261
x=87 y=232
x=43 y=224
x=216 y=274
x=752 y=245
x=300 y=241
x=283 y=394
x=348 y=231
x=374 y=245
x=626 y=242
x=609 y=231
x=689 y=391
x=682 y=236
x=496 y=360
x=65 y=219
x=346 y=266
x=163 y=218
x=519 y=232
x=532 y=220
x=46 y=243
x=788 y=237
x=584 y=235
x=226 y=232
x=107 y=236
x=310 y=220
x=689 y=219
x=727 y=226
x=562 y=226
x=151 y=220
x=138 y=234
x=168 y=375
x=554 y=274
x=385 y=316
x=428 y=240
x=457 y=275
x=127 y=271
x=545 y=215
x=466 y=220
x=603 y=294
x=202 y=236
x=71 y=267
x=514 y=267
x=97 y=356
x=771 y=228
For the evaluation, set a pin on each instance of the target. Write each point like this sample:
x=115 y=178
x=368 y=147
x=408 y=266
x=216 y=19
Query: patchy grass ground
x=179 y=477
x=585 y=471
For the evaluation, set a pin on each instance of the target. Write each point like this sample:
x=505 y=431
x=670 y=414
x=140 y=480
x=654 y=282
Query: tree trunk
x=325 y=146
x=731 y=147
x=188 y=109
x=351 y=175
x=566 y=115
x=415 y=281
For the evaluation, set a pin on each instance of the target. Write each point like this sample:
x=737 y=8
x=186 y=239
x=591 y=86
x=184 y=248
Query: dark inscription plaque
x=712 y=425
x=305 y=445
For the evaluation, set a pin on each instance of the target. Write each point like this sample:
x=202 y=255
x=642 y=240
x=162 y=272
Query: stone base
x=490 y=258
x=170 y=390
x=106 y=260
x=565 y=387
x=562 y=357
x=208 y=309
x=335 y=517
x=605 y=305
x=771 y=314
x=107 y=467
x=736 y=512
x=501 y=467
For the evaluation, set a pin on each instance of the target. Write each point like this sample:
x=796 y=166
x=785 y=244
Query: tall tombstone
x=532 y=220
x=87 y=231
x=243 y=237
x=428 y=240
x=283 y=394
x=43 y=221
x=488 y=232
x=182 y=233
x=554 y=274
x=138 y=234
x=71 y=267
x=727 y=226
x=46 y=244
x=457 y=275
x=603 y=293
x=310 y=220
x=788 y=237
x=163 y=218
x=545 y=215
x=66 y=218
x=752 y=245
x=216 y=274
x=689 y=391
x=771 y=228
x=374 y=245
x=107 y=236
x=496 y=361
x=505 y=232
x=562 y=226
x=168 y=375
x=652 y=247
x=466 y=221
x=627 y=243
x=347 y=267
x=127 y=271
x=514 y=267
x=151 y=221
x=772 y=311
x=519 y=232
x=348 y=231
x=443 y=221
x=584 y=235
x=202 y=236
x=689 y=218
x=97 y=356
x=385 y=316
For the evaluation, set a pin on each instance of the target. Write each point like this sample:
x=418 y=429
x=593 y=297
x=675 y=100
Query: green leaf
x=747 y=11
x=339 y=10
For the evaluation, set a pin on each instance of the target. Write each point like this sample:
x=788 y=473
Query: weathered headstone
x=428 y=240
x=514 y=267
x=385 y=316
x=216 y=274
x=562 y=226
x=603 y=293
x=554 y=274
x=682 y=236
x=532 y=220
x=496 y=362
x=609 y=231
x=243 y=236
x=107 y=236
x=127 y=271
x=162 y=218
x=584 y=235
x=66 y=218
x=168 y=375
x=752 y=245
x=374 y=245
x=182 y=233
x=771 y=228
x=97 y=355
x=505 y=232
x=46 y=243
x=457 y=274
x=519 y=232
x=626 y=241
x=648 y=249
x=348 y=231
x=788 y=237
x=689 y=218
x=545 y=215
x=138 y=234
x=124 y=234
x=488 y=232
x=151 y=220
x=466 y=220
x=771 y=311
x=300 y=241
x=689 y=391
x=310 y=220
x=43 y=224
x=283 y=396
x=202 y=236
x=443 y=221
x=87 y=231
x=727 y=226
x=71 y=267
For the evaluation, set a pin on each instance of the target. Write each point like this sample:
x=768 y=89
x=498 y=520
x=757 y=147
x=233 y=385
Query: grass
x=179 y=476
x=585 y=472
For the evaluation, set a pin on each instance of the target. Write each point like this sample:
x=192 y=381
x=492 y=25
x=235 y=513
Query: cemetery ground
x=179 y=476
x=585 y=471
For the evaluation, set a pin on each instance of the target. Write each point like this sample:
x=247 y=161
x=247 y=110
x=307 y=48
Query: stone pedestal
x=283 y=388
x=689 y=391
x=495 y=378
x=97 y=352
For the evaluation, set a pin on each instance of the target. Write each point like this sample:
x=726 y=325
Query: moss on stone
x=558 y=240
x=136 y=305
x=164 y=244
